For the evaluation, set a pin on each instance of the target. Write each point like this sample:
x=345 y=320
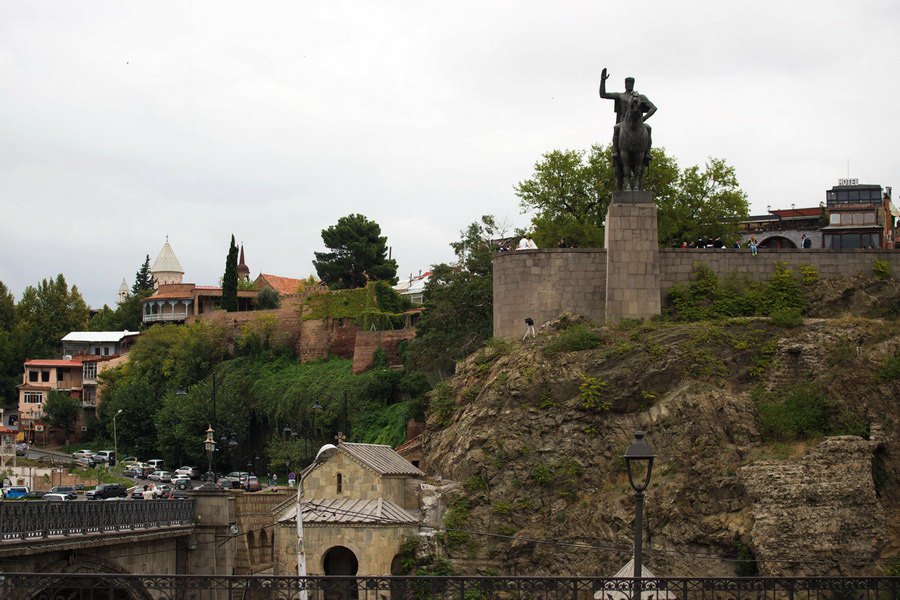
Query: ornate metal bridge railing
x=82 y=586
x=21 y=520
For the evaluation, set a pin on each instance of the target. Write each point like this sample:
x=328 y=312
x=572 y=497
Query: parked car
x=178 y=495
x=145 y=468
x=106 y=456
x=35 y=495
x=65 y=489
x=182 y=483
x=160 y=476
x=106 y=491
x=241 y=476
x=157 y=463
x=133 y=472
x=252 y=484
x=84 y=463
x=21 y=449
x=56 y=497
x=14 y=492
x=128 y=460
x=229 y=483
x=82 y=454
x=192 y=472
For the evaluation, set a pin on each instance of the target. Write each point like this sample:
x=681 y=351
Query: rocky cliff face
x=533 y=432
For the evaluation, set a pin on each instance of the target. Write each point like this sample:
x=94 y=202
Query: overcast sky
x=124 y=122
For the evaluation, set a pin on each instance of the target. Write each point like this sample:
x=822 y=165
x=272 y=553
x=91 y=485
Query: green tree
x=166 y=355
x=230 y=279
x=570 y=192
x=61 y=411
x=143 y=279
x=459 y=302
x=50 y=311
x=358 y=251
x=136 y=426
x=12 y=349
x=706 y=203
x=268 y=299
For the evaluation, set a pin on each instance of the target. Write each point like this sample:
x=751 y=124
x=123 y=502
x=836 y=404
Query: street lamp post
x=213 y=423
x=210 y=445
x=294 y=434
x=638 y=453
x=325 y=452
x=116 y=438
x=346 y=431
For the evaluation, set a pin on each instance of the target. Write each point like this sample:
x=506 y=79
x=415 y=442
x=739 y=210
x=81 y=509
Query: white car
x=160 y=476
x=83 y=454
x=190 y=472
x=57 y=497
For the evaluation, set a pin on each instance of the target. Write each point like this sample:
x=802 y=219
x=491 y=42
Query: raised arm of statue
x=603 y=94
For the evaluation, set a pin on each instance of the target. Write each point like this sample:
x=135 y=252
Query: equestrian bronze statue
x=631 y=136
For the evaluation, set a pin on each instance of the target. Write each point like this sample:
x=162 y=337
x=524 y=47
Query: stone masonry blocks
x=632 y=258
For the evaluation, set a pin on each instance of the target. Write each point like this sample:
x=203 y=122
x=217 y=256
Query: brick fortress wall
x=369 y=341
x=544 y=283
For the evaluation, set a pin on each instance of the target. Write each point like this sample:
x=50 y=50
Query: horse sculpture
x=634 y=143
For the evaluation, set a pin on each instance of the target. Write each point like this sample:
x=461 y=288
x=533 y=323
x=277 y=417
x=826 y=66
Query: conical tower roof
x=243 y=270
x=124 y=286
x=166 y=262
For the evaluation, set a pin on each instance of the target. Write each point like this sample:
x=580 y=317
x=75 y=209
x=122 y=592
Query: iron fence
x=20 y=520
x=84 y=586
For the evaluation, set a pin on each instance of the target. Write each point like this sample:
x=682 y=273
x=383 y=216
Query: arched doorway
x=777 y=241
x=339 y=560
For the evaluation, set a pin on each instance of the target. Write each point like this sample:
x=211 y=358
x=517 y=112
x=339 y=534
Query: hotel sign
x=848 y=181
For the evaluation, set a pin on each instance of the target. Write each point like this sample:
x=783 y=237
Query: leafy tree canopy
x=570 y=193
x=61 y=411
x=358 y=250
x=459 y=302
x=50 y=311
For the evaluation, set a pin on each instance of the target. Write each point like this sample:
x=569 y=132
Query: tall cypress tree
x=143 y=279
x=230 y=279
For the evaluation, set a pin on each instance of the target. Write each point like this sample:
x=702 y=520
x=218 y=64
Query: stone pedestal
x=632 y=257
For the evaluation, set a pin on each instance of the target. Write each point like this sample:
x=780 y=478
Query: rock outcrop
x=534 y=432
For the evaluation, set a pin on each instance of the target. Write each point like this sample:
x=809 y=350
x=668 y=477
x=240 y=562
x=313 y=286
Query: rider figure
x=621 y=105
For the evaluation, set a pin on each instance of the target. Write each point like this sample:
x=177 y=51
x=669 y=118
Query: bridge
x=167 y=537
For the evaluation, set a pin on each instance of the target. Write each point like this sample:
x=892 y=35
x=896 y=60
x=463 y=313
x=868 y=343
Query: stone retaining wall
x=543 y=283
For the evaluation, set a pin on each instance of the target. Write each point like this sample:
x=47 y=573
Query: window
x=857 y=218
x=97 y=351
x=45 y=376
x=34 y=397
x=105 y=350
x=869 y=218
x=33 y=376
x=340 y=483
x=835 y=218
x=90 y=370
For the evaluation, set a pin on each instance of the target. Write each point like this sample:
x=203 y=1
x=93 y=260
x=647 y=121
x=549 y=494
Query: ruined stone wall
x=367 y=342
x=542 y=284
x=287 y=328
x=321 y=337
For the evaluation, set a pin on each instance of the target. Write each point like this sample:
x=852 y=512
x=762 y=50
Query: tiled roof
x=348 y=510
x=53 y=363
x=282 y=285
x=382 y=459
x=413 y=443
x=8 y=431
x=170 y=296
x=34 y=388
x=209 y=288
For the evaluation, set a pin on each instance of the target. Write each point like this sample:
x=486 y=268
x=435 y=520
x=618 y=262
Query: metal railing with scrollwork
x=20 y=520
x=14 y=586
